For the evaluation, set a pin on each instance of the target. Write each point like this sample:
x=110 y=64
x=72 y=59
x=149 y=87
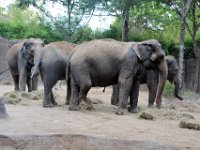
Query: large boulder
x=3 y=112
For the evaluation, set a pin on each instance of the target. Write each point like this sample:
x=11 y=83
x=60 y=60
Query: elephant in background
x=150 y=77
x=108 y=62
x=20 y=58
x=51 y=62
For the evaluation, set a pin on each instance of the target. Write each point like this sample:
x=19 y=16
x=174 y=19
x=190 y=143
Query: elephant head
x=173 y=74
x=28 y=49
x=151 y=54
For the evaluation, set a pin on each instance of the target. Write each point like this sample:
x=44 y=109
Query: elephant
x=150 y=77
x=20 y=58
x=108 y=62
x=51 y=62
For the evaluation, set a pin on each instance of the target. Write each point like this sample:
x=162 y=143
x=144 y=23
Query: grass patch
x=190 y=95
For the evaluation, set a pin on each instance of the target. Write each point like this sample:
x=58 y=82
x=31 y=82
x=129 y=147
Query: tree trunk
x=185 y=6
x=125 y=20
x=69 y=32
x=181 y=51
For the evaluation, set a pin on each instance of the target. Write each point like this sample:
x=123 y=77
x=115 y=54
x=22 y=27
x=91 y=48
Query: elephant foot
x=116 y=104
x=73 y=108
x=133 y=110
x=158 y=106
x=179 y=97
x=54 y=103
x=48 y=105
x=121 y=111
x=151 y=106
x=67 y=103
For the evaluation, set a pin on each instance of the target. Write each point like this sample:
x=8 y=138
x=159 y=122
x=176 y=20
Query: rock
x=3 y=112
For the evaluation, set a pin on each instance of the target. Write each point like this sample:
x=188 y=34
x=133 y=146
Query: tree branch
x=187 y=7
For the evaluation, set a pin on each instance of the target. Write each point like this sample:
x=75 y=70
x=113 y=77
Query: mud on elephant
x=102 y=63
x=150 y=77
x=20 y=59
x=51 y=63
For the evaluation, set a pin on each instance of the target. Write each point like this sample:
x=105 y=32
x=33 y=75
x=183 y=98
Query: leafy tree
x=76 y=12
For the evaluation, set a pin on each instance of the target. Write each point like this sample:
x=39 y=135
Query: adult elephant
x=150 y=77
x=51 y=62
x=107 y=62
x=20 y=58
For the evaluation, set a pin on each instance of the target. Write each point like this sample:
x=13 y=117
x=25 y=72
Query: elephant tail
x=35 y=70
x=68 y=71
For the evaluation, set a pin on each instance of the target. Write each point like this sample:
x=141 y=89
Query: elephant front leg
x=29 y=84
x=125 y=85
x=152 y=93
x=134 y=96
x=47 y=98
x=22 y=81
x=16 y=82
x=115 y=95
x=35 y=83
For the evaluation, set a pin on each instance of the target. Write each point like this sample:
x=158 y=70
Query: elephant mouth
x=149 y=64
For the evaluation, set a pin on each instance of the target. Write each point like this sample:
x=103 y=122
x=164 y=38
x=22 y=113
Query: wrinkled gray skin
x=51 y=62
x=102 y=63
x=3 y=112
x=20 y=58
x=150 y=77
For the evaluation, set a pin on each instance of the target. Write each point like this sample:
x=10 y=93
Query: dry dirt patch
x=164 y=129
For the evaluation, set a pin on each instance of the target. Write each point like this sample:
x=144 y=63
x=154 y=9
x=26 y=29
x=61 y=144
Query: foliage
x=168 y=89
x=21 y=24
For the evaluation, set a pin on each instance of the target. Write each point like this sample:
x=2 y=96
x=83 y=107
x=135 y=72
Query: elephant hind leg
x=115 y=95
x=83 y=97
x=47 y=102
x=68 y=92
x=74 y=103
x=85 y=87
x=16 y=82
x=52 y=99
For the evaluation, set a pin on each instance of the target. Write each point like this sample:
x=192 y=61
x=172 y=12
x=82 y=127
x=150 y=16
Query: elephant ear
x=143 y=51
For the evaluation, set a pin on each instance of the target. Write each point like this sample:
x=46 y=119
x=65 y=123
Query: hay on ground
x=189 y=125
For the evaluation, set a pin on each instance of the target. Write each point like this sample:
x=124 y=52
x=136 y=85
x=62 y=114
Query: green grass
x=190 y=95
x=169 y=88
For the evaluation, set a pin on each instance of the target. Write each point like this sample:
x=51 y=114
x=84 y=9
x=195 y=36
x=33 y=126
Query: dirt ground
x=100 y=128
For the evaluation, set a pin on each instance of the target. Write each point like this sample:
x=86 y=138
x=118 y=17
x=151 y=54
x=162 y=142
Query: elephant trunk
x=163 y=71
x=35 y=70
x=176 y=92
x=37 y=61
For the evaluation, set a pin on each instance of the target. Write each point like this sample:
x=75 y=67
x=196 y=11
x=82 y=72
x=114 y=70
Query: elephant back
x=63 y=45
